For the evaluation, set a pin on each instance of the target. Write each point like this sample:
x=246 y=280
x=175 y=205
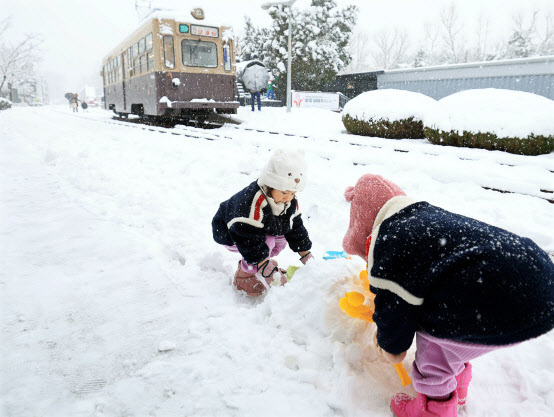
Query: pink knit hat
x=368 y=197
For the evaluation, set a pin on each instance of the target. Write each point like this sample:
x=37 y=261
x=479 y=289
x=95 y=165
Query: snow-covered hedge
x=5 y=104
x=495 y=119
x=389 y=113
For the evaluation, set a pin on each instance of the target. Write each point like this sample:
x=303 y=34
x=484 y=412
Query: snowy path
x=116 y=301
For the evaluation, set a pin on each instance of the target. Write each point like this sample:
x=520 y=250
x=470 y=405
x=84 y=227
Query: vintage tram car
x=172 y=67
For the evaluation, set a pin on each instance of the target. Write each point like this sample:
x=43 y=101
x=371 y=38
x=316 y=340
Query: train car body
x=172 y=66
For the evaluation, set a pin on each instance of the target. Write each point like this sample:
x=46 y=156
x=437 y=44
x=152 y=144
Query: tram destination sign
x=204 y=31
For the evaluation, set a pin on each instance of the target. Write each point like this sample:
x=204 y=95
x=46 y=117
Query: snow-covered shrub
x=495 y=119
x=5 y=104
x=389 y=113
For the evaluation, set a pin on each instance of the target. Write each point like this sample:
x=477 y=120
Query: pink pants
x=275 y=244
x=438 y=361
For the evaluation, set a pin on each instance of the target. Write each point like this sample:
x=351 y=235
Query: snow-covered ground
x=117 y=302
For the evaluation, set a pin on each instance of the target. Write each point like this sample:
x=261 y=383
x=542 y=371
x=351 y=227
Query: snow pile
x=276 y=119
x=5 y=103
x=393 y=105
x=505 y=113
x=167 y=101
x=117 y=301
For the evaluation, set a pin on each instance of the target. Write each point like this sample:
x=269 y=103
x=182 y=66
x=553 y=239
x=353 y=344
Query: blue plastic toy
x=333 y=254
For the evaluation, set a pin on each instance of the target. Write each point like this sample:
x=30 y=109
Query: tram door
x=125 y=83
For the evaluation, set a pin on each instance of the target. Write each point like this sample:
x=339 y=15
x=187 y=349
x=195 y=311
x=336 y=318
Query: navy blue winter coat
x=246 y=219
x=456 y=278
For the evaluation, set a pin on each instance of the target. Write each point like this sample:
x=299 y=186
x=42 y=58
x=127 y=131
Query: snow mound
x=506 y=113
x=393 y=105
x=5 y=103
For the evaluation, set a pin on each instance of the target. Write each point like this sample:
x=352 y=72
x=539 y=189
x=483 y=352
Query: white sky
x=78 y=33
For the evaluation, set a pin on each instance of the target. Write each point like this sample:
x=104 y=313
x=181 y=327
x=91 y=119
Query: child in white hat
x=261 y=219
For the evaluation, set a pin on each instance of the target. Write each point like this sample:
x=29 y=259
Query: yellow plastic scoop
x=353 y=304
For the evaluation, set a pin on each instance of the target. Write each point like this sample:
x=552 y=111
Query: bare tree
x=358 y=46
x=546 y=38
x=482 y=31
x=426 y=54
x=452 y=28
x=17 y=60
x=431 y=32
x=391 y=48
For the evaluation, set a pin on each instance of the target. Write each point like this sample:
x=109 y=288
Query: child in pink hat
x=460 y=286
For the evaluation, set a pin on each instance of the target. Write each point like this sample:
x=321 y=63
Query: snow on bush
x=506 y=113
x=508 y=120
x=391 y=113
x=5 y=103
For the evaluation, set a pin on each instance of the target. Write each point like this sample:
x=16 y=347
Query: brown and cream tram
x=172 y=67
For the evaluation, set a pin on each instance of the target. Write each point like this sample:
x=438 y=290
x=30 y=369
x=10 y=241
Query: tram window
x=149 y=42
x=141 y=46
x=136 y=66
x=143 y=63
x=227 y=57
x=199 y=53
x=134 y=50
x=169 y=53
x=150 y=61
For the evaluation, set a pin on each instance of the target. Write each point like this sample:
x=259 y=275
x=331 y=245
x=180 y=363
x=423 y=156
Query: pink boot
x=463 y=379
x=403 y=405
x=247 y=282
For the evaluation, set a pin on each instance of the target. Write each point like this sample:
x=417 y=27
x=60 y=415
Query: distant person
x=271 y=87
x=256 y=95
x=75 y=103
x=461 y=287
x=69 y=97
x=84 y=105
x=254 y=79
x=259 y=221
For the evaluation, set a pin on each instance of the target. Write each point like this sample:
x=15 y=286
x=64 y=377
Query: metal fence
x=534 y=75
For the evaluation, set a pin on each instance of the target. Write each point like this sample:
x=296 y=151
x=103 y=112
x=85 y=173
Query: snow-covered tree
x=320 y=35
x=18 y=62
x=531 y=36
x=520 y=44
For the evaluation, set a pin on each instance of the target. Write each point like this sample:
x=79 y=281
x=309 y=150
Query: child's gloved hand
x=388 y=357
x=269 y=270
x=306 y=257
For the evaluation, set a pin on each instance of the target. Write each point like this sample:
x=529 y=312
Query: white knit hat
x=285 y=171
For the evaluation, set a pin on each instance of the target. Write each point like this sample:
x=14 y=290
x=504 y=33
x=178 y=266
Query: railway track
x=544 y=192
